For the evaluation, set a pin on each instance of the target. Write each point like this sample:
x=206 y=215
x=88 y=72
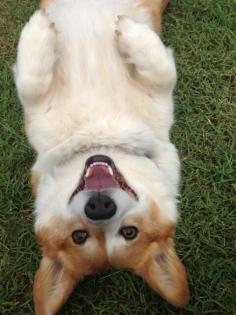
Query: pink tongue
x=100 y=178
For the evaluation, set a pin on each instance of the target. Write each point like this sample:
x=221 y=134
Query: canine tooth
x=87 y=172
x=110 y=170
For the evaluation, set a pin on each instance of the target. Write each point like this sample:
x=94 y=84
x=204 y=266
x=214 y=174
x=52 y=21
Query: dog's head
x=98 y=211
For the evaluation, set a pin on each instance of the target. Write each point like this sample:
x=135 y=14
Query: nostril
x=92 y=206
x=108 y=205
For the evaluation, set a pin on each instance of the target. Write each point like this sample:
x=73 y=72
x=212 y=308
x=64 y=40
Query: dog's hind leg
x=35 y=59
x=141 y=46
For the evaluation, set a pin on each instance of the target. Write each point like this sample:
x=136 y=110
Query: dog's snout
x=100 y=207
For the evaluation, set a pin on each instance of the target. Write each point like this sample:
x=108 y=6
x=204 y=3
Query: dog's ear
x=53 y=285
x=165 y=273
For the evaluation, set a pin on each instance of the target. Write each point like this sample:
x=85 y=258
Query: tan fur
x=156 y=8
x=165 y=273
x=64 y=263
x=152 y=256
x=52 y=287
x=45 y=3
x=26 y=122
x=34 y=181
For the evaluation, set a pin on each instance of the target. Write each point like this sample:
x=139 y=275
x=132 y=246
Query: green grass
x=201 y=33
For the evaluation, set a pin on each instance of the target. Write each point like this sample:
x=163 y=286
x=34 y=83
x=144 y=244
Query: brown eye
x=129 y=232
x=80 y=236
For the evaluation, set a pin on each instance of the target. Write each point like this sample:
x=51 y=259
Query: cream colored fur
x=93 y=77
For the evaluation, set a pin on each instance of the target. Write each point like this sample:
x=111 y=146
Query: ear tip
x=181 y=299
x=178 y=295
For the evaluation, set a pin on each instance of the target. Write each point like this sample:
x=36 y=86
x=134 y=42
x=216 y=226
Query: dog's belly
x=94 y=84
x=88 y=59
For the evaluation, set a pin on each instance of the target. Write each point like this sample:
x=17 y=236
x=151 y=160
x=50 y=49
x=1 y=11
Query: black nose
x=100 y=207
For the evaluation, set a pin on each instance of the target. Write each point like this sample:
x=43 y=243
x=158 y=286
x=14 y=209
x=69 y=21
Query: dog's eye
x=129 y=232
x=80 y=236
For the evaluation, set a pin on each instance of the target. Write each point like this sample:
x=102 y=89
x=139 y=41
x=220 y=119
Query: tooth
x=110 y=170
x=99 y=163
x=87 y=172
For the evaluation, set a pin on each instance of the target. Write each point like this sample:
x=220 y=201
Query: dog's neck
x=137 y=139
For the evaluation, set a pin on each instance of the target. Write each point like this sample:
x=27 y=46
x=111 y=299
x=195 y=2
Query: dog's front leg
x=35 y=59
x=141 y=46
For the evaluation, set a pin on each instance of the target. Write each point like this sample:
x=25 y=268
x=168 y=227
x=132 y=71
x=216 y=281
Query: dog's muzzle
x=99 y=178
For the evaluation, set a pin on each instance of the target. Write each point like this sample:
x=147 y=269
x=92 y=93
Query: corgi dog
x=96 y=85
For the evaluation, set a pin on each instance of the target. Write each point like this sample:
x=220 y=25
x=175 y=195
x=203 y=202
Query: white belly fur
x=95 y=86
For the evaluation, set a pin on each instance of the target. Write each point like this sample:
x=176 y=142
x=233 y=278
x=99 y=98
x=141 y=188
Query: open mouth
x=100 y=173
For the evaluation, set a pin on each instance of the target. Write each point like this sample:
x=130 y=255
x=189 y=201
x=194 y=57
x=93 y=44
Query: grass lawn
x=201 y=32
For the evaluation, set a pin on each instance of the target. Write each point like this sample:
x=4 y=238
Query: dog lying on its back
x=96 y=84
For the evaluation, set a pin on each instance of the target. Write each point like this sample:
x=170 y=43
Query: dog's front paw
x=122 y=35
x=138 y=44
x=133 y=39
x=36 y=56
